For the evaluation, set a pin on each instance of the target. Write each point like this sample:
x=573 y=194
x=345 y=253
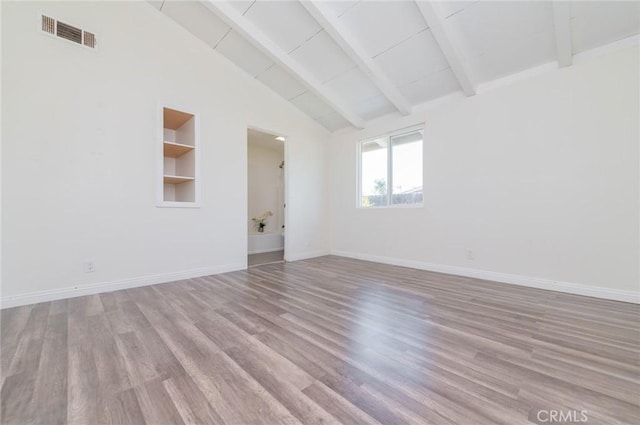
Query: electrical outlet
x=469 y=254
x=89 y=267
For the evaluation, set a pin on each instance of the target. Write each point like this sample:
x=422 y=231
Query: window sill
x=396 y=206
x=177 y=204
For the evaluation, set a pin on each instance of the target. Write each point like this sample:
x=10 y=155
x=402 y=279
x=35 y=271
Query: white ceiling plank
x=596 y=24
x=253 y=34
x=333 y=121
x=239 y=51
x=281 y=82
x=323 y=57
x=197 y=19
x=500 y=38
x=286 y=23
x=242 y=5
x=380 y=25
x=356 y=52
x=431 y=87
x=413 y=59
x=155 y=3
x=562 y=23
x=311 y=105
x=353 y=86
x=339 y=7
x=444 y=37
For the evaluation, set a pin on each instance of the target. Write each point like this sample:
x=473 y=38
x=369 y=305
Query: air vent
x=68 y=32
x=89 y=39
x=48 y=25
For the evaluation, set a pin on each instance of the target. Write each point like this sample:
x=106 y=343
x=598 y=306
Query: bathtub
x=265 y=242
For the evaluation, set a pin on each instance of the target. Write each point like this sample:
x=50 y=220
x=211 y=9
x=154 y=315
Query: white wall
x=539 y=178
x=266 y=185
x=79 y=147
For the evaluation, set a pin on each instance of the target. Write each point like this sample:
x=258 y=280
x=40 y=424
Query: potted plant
x=261 y=221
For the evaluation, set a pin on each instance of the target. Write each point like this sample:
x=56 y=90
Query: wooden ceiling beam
x=240 y=24
x=562 y=25
x=444 y=36
x=354 y=50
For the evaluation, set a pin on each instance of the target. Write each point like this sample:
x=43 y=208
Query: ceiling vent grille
x=48 y=25
x=68 y=32
x=89 y=39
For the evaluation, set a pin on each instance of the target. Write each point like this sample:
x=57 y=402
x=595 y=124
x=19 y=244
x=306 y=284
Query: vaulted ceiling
x=346 y=62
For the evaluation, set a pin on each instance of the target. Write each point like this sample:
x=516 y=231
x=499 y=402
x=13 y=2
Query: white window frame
x=388 y=136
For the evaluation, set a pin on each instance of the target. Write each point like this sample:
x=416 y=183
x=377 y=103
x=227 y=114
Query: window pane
x=407 y=168
x=374 y=173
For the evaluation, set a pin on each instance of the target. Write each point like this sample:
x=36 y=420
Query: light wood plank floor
x=328 y=340
x=265 y=258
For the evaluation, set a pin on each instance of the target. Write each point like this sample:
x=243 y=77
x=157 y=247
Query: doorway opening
x=266 y=197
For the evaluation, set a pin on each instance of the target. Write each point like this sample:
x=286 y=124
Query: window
x=391 y=170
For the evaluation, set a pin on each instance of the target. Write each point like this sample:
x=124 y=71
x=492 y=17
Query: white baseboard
x=97 y=288
x=533 y=282
x=306 y=255
x=262 y=251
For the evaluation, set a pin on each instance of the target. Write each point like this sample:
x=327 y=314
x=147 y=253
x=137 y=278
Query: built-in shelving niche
x=179 y=148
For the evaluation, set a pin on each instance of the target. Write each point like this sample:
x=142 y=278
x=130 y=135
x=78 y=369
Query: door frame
x=286 y=180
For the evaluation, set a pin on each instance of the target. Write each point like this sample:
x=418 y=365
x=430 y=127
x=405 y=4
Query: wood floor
x=322 y=341
x=265 y=258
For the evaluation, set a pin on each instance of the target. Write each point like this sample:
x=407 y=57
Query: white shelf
x=174 y=150
x=177 y=179
x=174 y=119
x=178 y=151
